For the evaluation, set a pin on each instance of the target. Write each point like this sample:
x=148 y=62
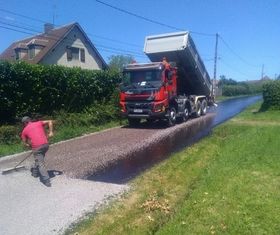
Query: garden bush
x=271 y=95
x=9 y=134
x=234 y=90
x=27 y=89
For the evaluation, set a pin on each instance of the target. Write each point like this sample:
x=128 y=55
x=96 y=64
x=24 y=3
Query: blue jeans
x=39 y=157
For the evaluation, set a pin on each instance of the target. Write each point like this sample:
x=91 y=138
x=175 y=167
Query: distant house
x=67 y=45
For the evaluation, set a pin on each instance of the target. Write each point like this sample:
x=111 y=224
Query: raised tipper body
x=174 y=86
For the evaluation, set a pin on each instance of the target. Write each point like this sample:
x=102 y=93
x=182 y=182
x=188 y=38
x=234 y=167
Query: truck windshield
x=142 y=78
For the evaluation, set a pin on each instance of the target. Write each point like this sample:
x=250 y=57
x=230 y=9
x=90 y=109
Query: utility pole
x=215 y=66
x=262 y=71
x=54 y=10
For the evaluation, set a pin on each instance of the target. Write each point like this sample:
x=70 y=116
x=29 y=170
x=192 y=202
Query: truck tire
x=171 y=119
x=203 y=107
x=198 y=109
x=133 y=122
x=185 y=115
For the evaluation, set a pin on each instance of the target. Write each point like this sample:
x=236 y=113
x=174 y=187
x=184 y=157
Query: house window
x=83 y=57
x=20 y=53
x=17 y=54
x=31 y=52
x=72 y=53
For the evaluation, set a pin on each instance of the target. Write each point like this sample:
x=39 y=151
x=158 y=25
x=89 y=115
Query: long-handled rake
x=17 y=167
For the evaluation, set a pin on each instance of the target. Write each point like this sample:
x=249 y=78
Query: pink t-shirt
x=34 y=131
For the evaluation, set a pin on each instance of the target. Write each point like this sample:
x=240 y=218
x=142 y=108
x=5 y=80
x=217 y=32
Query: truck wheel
x=133 y=122
x=185 y=115
x=203 y=107
x=198 y=109
x=171 y=116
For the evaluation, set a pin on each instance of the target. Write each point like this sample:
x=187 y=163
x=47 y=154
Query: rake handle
x=23 y=160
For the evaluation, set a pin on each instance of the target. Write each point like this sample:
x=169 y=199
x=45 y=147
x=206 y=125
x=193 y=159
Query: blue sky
x=249 y=29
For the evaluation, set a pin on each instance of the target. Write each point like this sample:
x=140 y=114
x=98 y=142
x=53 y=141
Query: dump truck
x=174 y=86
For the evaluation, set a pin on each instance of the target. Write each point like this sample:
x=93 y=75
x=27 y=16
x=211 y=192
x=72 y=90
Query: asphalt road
x=29 y=207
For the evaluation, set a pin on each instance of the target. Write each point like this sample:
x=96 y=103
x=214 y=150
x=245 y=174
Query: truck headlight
x=122 y=107
x=159 y=108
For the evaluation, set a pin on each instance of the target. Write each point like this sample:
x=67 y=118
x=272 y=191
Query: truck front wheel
x=171 y=118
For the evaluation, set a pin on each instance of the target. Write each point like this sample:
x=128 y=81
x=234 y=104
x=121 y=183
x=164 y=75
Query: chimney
x=48 y=27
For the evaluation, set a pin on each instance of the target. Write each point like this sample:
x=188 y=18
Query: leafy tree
x=225 y=81
x=117 y=62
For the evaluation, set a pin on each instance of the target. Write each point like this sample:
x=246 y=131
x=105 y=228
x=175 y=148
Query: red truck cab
x=147 y=91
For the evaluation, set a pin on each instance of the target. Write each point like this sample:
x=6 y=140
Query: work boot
x=47 y=183
x=34 y=172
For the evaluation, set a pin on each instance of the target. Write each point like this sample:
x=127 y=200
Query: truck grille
x=136 y=108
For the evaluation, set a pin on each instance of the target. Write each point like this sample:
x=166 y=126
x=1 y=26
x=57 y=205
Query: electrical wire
x=102 y=47
x=53 y=37
x=26 y=17
x=151 y=20
x=235 y=70
x=237 y=55
x=138 y=16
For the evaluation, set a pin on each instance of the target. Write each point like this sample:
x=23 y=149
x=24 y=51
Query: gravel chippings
x=29 y=207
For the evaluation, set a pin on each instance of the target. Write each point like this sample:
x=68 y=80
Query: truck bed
x=179 y=48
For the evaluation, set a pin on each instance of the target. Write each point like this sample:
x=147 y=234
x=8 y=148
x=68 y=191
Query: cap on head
x=25 y=119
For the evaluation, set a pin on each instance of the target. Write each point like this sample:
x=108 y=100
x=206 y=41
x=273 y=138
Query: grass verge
x=62 y=132
x=228 y=183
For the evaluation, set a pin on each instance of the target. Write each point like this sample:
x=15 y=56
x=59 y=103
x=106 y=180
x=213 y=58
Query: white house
x=67 y=45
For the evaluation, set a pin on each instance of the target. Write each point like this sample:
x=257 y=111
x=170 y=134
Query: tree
x=117 y=62
x=225 y=81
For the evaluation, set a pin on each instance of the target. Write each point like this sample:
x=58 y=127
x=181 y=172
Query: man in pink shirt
x=34 y=135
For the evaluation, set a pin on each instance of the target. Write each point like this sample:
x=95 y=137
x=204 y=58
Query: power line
x=53 y=37
x=237 y=55
x=120 y=52
x=149 y=20
x=235 y=70
x=21 y=27
x=114 y=40
x=109 y=39
x=118 y=49
x=27 y=17
x=94 y=35
x=138 y=16
x=15 y=30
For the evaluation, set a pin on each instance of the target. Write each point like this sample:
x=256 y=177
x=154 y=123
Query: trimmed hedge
x=234 y=90
x=242 y=88
x=28 y=89
x=271 y=95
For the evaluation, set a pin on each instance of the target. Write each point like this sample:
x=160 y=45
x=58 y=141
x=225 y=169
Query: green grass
x=228 y=183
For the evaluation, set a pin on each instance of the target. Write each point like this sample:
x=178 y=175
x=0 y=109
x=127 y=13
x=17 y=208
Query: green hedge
x=9 y=134
x=271 y=95
x=28 y=89
x=242 y=88
x=234 y=90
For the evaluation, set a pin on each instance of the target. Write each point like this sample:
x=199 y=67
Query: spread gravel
x=28 y=207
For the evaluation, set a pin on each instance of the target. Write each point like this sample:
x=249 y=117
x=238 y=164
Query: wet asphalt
x=28 y=207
